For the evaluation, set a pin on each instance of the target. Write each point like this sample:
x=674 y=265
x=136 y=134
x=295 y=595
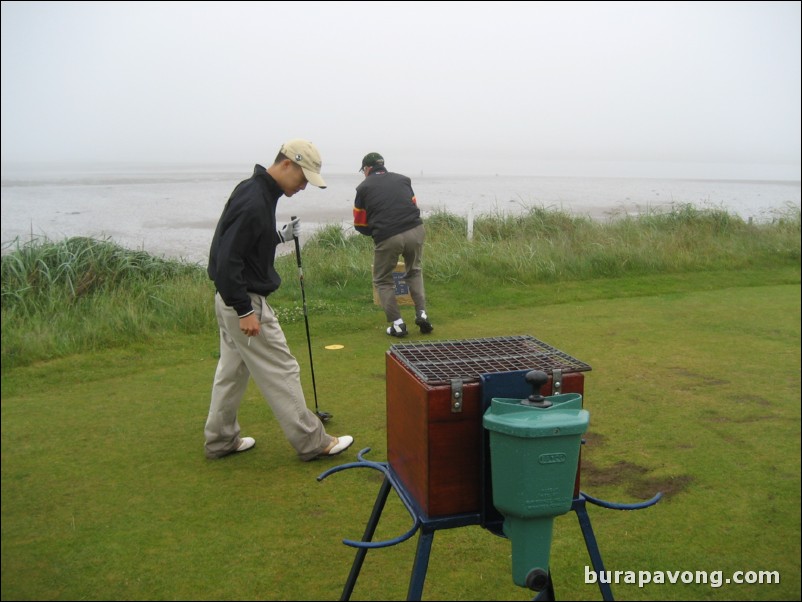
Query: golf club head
x=324 y=416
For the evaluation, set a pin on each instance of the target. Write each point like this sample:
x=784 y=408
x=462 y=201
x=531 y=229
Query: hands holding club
x=290 y=230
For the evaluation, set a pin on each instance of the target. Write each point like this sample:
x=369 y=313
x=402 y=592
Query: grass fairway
x=106 y=494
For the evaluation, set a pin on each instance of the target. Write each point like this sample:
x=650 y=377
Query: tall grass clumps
x=81 y=293
x=541 y=246
x=78 y=294
x=338 y=258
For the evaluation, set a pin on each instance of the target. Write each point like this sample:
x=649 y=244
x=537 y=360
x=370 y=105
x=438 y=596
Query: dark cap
x=372 y=160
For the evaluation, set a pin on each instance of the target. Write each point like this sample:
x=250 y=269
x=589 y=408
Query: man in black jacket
x=241 y=263
x=386 y=209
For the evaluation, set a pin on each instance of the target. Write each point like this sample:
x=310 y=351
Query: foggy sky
x=511 y=88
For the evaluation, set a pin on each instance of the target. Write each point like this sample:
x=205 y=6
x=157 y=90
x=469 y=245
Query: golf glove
x=290 y=230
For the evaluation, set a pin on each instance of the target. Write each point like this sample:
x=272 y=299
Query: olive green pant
x=267 y=358
x=408 y=245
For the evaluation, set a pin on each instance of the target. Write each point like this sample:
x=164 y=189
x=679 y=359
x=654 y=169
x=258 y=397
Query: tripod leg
x=421 y=564
x=370 y=529
x=592 y=546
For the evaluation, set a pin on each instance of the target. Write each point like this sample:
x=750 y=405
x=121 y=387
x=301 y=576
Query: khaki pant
x=277 y=375
x=409 y=245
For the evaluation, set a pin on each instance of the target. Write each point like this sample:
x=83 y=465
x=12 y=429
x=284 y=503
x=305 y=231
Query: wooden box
x=435 y=404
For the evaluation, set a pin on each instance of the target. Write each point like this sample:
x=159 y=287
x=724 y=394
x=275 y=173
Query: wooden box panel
x=434 y=452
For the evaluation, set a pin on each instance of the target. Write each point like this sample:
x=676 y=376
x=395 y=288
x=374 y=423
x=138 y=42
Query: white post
x=470 y=222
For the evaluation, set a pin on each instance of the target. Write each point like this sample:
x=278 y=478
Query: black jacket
x=244 y=245
x=385 y=205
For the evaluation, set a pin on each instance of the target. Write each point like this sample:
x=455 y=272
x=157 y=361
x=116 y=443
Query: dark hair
x=280 y=157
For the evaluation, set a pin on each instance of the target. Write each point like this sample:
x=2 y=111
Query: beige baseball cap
x=304 y=153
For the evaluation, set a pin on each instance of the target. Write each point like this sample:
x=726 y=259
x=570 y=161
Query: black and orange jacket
x=385 y=205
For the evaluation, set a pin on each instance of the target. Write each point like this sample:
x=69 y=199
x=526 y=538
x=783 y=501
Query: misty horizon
x=546 y=169
x=602 y=89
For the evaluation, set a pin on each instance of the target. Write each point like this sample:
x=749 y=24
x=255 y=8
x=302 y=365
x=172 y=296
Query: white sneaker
x=343 y=443
x=245 y=444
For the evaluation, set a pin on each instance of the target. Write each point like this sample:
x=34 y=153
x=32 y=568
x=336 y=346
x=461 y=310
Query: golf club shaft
x=306 y=317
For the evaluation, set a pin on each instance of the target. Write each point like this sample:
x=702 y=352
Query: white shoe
x=342 y=444
x=245 y=444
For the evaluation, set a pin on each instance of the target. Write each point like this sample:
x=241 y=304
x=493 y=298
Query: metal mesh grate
x=443 y=361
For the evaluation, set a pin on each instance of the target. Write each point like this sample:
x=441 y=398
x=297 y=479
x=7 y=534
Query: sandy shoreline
x=174 y=214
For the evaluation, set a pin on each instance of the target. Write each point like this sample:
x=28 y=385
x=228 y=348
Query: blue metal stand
x=428 y=526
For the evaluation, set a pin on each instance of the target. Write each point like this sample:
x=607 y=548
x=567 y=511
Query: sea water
x=172 y=210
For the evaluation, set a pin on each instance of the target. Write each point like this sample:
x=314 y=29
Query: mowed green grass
x=694 y=392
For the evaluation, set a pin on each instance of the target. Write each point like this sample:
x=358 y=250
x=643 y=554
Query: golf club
x=324 y=416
